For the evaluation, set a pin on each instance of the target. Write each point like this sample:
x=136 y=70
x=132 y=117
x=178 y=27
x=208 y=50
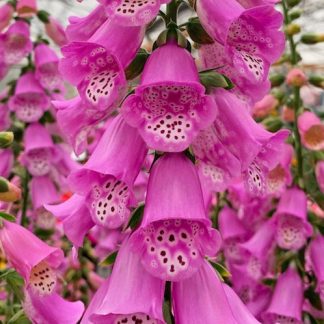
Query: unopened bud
x=276 y=79
x=317 y=80
x=136 y=67
x=197 y=33
x=8 y=191
x=292 y=29
x=6 y=139
x=292 y=3
x=312 y=38
x=296 y=77
x=43 y=16
x=272 y=123
x=295 y=14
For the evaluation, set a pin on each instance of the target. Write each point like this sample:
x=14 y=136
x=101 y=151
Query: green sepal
x=136 y=67
x=110 y=259
x=197 y=33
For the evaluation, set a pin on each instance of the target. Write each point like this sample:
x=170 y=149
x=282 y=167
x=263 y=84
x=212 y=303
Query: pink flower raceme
x=319 y=170
x=47 y=73
x=133 y=13
x=291 y=216
x=169 y=106
x=250 y=37
x=39 y=150
x=55 y=31
x=29 y=101
x=6 y=13
x=233 y=232
x=287 y=300
x=204 y=299
x=311 y=130
x=132 y=295
x=81 y=29
x=107 y=179
x=315 y=251
x=248 y=141
x=97 y=66
x=43 y=192
x=15 y=43
x=175 y=233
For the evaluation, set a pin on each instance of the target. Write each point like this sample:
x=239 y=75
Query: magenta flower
x=76 y=119
x=6 y=162
x=81 y=29
x=250 y=36
x=316 y=259
x=135 y=13
x=75 y=217
x=132 y=294
x=255 y=3
x=107 y=179
x=287 y=300
x=39 y=150
x=204 y=299
x=292 y=226
x=169 y=106
x=96 y=67
x=33 y=259
x=233 y=232
x=4 y=114
x=47 y=73
x=311 y=130
x=175 y=233
x=319 y=170
x=15 y=43
x=55 y=31
x=29 y=101
x=6 y=13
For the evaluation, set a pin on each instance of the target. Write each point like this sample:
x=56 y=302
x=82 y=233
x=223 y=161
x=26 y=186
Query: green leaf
x=4 y=185
x=19 y=318
x=222 y=271
x=15 y=283
x=7 y=217
x=110 y=259
x=136 y=217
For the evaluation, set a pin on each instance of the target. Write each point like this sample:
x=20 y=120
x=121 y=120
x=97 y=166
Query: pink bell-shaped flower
x=287 y=300
x=55 y=31
x=39 y=150
x=26 y=8
x=169 y=106
x=97 y=66
x=203 y=299
x=311 y=130
x=29 y=101
x=81 y=29
x=135 y=13
x=175 y=233
x=107 y=179
x=132 y=294
x=15 y=43
x=6 y=13
x=6 y=162
x=47 y=72
x=251 y=37
x=291 y=216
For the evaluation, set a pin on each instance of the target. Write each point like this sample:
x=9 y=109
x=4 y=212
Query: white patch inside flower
x=28 y=109
x=215 y=174
x=45 y=219
x=255 y=179
x=131 y=8
x=14 y=49
x=137 y=318
x=49 y=76
x=254 y=64
x=101 y=85
x=39 y=162
x=42 y=279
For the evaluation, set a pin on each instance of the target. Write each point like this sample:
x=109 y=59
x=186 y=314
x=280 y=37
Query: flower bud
x=312 y=38
x=197 y=33
x=8 y=191
x=265 y=106
x=6 y=139
x=292 y=3
x=26 y=8
x=136 y=67
x=292 y=29
x=276 y=79
x=296 y=77
x=317 y=80
x=295 y=14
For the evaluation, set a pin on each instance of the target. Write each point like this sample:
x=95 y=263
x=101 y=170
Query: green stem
x=25 y=199
x=297 y=108
x=172 y=11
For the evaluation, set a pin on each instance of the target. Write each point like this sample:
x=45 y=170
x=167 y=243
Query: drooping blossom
x=55 y=31
x=169 y=106
x=15 y=43
x=175 y=233
x=255 y=3
x=26 y=8
x=311 y=130
x=204 y=299
x=6 y=162
x=107 y=179
x=291 y=216
x=30 y=100
x=265 y=106
x=287 y=300
x=96 y=67
x=46 y=63
x=39 y=150
x=132 y=294
x=6 y=13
